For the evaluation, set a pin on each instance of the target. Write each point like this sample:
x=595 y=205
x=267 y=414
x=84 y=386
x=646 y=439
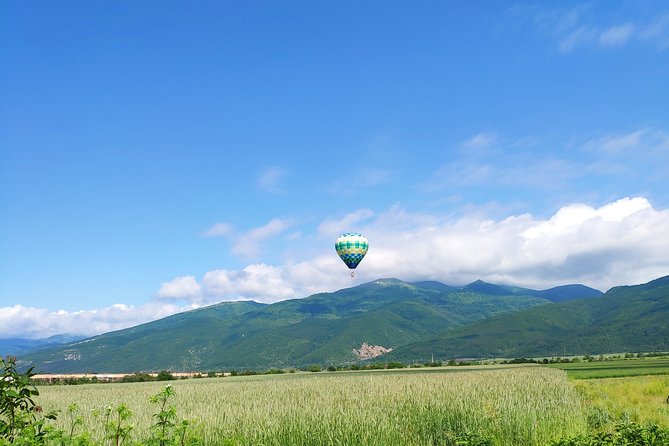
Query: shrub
x=598 y=418
x=629 y=434
x=471 y=439
x=164 y=375
x=137 y=377
x=395 y=365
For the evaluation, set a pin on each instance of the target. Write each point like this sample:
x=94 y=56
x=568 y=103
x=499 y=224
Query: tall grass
x=521 y=406
x=639 y=399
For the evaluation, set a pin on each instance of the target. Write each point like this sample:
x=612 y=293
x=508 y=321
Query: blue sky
x=156 y=156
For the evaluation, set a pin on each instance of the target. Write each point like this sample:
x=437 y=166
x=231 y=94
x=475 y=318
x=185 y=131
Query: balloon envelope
x=351 y=248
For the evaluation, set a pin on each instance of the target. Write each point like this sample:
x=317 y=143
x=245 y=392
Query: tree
x=164 y=375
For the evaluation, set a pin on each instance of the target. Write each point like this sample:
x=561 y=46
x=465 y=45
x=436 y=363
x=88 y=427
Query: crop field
x=613 y=369
x=511 y=406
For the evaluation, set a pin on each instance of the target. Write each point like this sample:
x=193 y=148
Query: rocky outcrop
x=367 y=351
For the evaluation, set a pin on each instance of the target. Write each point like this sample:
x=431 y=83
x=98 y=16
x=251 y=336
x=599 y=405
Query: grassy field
x=640 y=399
x=614 y=369
x=622 y=390
x=512 y=406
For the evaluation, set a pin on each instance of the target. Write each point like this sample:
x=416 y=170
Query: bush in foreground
x=630 y=434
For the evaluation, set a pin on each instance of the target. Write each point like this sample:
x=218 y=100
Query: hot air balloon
x=351 y=248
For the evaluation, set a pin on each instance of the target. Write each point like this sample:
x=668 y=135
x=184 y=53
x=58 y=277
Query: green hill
x=625 y=319
x=323 y=329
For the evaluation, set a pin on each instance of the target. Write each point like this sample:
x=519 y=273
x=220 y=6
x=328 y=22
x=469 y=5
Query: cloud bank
x=36 y=323
x=622 y=242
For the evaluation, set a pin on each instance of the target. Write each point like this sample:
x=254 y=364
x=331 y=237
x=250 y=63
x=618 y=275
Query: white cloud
x=576 y=37
x=615 y=154
x=185 y=287
x=219 y=229
x=573 y=217
x=480 y=141
x=334 y=227
x=613 y=144
x=249 y=244
x=616 y=35
x=642 y=141
x=582 y=27
x=657 y=31
x=270 y=179
x=618 y=243
x=360 y=179
x=37 y=323
x=372 y=177
x=270 y=229
x=259 y=282
x=509 y=169
x=462 y=173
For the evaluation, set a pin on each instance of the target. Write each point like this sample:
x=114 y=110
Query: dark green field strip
x=614 y=374
x=623 y=363
x=613 y=369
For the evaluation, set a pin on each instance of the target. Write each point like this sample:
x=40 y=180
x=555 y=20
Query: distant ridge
x=569 y=292
x=626 y=318
x=560 y=293
x=480 y=286
x=20 y=346
x=434 y=285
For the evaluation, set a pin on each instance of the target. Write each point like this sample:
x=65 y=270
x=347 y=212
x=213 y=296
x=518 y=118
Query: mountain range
x=625 y=319
x=323 y=328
